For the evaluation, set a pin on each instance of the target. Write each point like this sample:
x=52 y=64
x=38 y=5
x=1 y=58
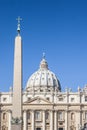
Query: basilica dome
x=43 y=78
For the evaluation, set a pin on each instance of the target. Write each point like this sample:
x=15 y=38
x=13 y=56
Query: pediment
x=38 y=100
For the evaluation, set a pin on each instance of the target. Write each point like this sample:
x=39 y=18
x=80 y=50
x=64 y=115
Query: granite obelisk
x=17 y=83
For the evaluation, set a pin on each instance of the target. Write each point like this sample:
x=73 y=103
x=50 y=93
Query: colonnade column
x=9 y=124
x=79 y=119
x=51 y=120
x=55 y=121
x=44 y=124
x=33 y=120
x=25 y=119
x=66 y=120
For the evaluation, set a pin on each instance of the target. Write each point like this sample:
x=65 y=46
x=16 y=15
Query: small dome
x=43 y=78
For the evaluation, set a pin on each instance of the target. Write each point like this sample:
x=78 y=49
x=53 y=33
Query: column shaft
x=56 y=121
x=25 y=120
x=66 y=120
x=9 y=124
x=51 y=120
x=33 y=120
x=44 y=124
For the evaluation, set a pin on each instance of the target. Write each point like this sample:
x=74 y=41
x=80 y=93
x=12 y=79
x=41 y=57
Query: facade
x=42 y=105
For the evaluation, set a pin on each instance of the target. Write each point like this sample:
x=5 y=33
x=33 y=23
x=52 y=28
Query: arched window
x=47 y=115
x=72 y=116
x=4 y=116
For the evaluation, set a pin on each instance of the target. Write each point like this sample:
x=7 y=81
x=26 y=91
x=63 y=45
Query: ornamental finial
x=18 y=26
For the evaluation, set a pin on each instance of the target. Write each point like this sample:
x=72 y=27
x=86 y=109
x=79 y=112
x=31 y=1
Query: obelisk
x=17 y=83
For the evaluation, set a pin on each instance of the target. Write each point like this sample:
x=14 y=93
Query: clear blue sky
x=56 y=27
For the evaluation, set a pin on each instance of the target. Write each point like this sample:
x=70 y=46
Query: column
x=55 y=121
x=51 y=120
x=33 y=120
x=25 y=119
x=79 y=120
x=9 y=121
x=66 y=120
x=44 y=124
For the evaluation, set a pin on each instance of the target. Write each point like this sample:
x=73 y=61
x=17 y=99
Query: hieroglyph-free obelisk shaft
x=17 y=83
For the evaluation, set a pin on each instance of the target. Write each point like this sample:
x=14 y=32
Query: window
x=4 y=99
x=60 y=115
x=72 y=99
x=60 y=128
x=47 y=115
x=60 y=123
x=4 y=116
x=47 y=123
x=41 y=90
x=29 y=123
x=38 y=128
x=28 y=115
x=85 y=115
x=85 y=98
x=29 y=98
x=48 y=98
x=38 y=115
x=72 y=116
x=60 y=99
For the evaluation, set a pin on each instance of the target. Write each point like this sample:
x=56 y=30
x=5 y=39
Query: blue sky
x=56 y=27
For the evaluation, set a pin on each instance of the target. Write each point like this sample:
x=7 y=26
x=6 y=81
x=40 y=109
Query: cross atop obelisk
x=18 y=26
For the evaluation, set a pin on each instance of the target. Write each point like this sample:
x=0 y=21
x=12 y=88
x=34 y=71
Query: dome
x=43 y=78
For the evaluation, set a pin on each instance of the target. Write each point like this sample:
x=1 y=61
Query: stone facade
x=67 y=110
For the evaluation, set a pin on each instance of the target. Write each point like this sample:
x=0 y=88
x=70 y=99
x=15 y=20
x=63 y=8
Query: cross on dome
x=43 y=55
